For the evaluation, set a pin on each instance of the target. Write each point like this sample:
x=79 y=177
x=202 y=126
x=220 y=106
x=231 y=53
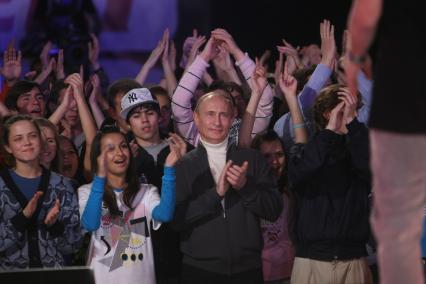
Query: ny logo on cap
x=132 y=97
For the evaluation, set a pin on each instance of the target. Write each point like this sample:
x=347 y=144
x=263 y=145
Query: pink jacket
x=278 y=252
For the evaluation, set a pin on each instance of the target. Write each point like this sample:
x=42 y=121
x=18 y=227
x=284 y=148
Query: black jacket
x=223 y=241
x=146 y=165
x=330 y=179
x=167 y=256
x=165 y=241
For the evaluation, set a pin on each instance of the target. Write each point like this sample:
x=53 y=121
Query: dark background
x=260 y=25
x=255 y=26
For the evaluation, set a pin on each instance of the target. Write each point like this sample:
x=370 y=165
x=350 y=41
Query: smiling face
x=24 y=141
x=31 y=103
x=213 y=117
x=50 y=146
x=117 y=155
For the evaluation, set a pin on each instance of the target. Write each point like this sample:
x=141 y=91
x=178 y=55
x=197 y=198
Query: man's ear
x=196 y=118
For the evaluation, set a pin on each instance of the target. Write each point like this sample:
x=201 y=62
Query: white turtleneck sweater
x=216 y=154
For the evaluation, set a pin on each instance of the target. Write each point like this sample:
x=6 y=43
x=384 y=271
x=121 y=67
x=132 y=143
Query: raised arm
x=44 y=54
x=163 y=212
x=60 y=111
x=259 y=83
x=279 y=65
x=194 y=49
x=288 y=85
x=292 y=53
x=316 y=82
x=47 y=64
x=181 y=100
x=247 y=66
x=87 y=122
x=358 y=144
x=42 y=76
x=266 y=103
x=186 y=49
x=90 y=201
x=306 y=160
x=12 y=65
x=362 y=23
x=323 y=70
x=365 y=87
x=225 y=67
x=169 y=72
x=94 y=97
x=364 y=82
x=150 y=62
x=59 y=70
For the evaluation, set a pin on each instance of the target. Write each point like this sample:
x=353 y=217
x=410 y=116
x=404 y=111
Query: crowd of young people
x=232 y=173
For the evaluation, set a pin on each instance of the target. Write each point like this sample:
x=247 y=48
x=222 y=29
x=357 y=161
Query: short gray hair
x=215 y=93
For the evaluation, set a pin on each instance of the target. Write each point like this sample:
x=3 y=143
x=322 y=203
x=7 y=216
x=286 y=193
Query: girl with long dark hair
x=118 y=209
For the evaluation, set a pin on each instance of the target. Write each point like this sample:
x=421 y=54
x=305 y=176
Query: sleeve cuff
x=169 y=171
x=242 y=61
x=200 y=62
x=20 y=222
x=56 y=229
x=248 y=189
x=354 y=125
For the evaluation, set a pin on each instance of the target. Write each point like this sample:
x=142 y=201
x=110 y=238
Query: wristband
x=357 y=59
x=299 y=125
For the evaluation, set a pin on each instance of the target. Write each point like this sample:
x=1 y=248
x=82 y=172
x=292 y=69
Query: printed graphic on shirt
x=272 y=230
x=128 y=235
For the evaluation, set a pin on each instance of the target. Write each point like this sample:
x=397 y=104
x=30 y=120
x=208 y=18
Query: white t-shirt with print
x=121 y=249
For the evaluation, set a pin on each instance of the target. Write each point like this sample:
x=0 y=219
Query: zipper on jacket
x=228 y=243
x=223 y=207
